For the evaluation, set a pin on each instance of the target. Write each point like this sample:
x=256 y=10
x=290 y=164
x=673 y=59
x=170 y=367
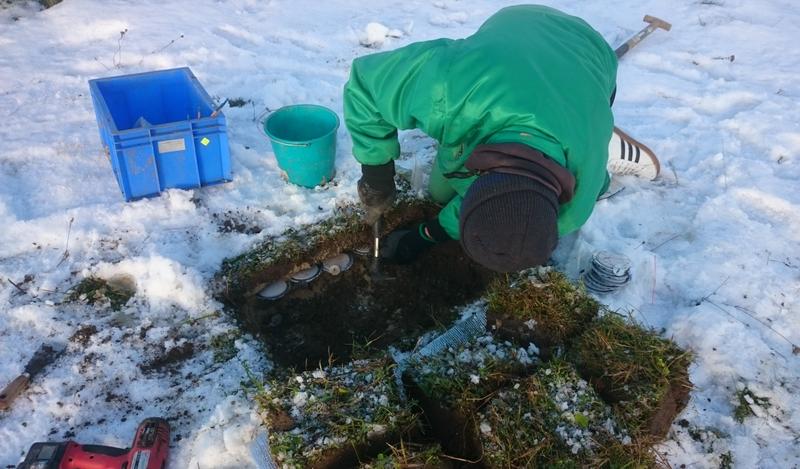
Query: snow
x=713 y=243
x=375 y=34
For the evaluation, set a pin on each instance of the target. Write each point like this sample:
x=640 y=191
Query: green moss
x=314 y=414
x=409 y=455
x=96 y=291
x=224 y=345
x=632 y=368
x=745 y=400
x=557 y=308
x=726 y=461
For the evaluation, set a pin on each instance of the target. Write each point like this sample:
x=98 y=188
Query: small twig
x=118 y=64
x=795 y=348
x=641 y=314
x=655 y=273
x=715 y=291
x=161 y=49
x=194 y=321
x=18 y=287
x=786 y=263
x=454 y=458
x=677 y=235
x=612 y=194
x=66 y=248
x=674 y=173
x=101 y=63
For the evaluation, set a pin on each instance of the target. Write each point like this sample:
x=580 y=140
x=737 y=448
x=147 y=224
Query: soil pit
x=334 y=317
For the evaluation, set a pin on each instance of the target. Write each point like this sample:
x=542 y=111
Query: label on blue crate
x=205 y=141
x=167 y=146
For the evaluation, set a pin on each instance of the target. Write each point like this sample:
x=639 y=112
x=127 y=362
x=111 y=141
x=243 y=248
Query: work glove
x=404 y=246
x=376 y=190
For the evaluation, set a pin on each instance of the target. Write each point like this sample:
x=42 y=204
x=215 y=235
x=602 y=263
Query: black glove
x=406 y=245
x=376 y=190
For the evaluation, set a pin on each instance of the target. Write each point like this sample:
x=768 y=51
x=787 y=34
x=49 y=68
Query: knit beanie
x=509 y=222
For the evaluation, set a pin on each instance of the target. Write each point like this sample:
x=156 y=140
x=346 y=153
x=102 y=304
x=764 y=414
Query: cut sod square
x=454 y=383
x=554 y=419
x=642 y=375
x=540 y=306
x=411 y=456
x=335 y=417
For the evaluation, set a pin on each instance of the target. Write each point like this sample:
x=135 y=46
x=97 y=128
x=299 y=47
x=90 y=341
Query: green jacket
x=530 y=75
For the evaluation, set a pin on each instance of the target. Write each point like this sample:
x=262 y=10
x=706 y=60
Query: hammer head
x=657 y=22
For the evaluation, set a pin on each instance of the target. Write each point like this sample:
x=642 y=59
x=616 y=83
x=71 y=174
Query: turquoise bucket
x=304 y=141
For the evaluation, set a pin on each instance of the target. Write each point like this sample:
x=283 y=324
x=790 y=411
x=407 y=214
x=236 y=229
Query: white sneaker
x=629 y=156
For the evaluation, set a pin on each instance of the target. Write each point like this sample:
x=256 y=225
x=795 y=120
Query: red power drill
x=150 y=450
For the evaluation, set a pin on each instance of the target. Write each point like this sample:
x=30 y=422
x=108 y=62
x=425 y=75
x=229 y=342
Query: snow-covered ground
x=715 y=241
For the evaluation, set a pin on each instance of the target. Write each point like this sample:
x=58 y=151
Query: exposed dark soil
x=235 y=222
x=349 y=455
x=516 y=331
x=84 y=334
x=334 y=314
x=455 y=430
x=673 y=402
x=169 y=358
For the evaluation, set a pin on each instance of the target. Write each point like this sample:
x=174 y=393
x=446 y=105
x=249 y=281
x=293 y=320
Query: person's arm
x=390 y=91
x=449 y=217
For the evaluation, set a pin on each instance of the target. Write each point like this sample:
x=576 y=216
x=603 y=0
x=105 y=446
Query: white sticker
x=141 y=459
x=167 y=146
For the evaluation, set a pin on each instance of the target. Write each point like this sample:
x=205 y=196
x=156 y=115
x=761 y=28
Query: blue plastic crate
x=158 y=132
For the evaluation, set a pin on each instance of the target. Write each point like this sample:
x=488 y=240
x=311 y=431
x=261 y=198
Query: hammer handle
x=654 y=23
x=13 y=390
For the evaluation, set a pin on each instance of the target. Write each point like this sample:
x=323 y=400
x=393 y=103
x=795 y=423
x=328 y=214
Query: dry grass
x=94 y=290
x=410 y=456
x=634 y=369
x=558 y=309
x=554 y=419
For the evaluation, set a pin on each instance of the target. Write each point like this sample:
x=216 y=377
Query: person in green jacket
x=521 y=111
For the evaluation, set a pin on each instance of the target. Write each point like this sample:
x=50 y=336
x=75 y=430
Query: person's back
x=535 y=76
x=531 y=76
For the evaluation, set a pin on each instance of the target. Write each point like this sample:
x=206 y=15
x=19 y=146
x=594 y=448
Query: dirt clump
x=169 y=358
x=84 y=334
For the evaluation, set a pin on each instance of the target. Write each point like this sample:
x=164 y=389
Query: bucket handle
x=261 y=121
